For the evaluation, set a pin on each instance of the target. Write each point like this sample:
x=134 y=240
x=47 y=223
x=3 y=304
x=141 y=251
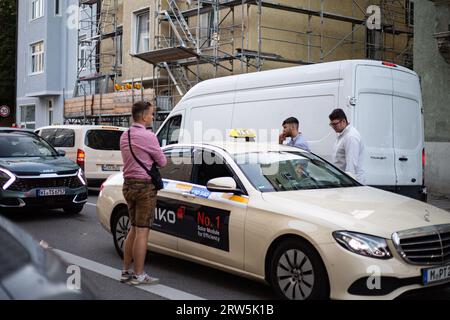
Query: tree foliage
x=8 y=46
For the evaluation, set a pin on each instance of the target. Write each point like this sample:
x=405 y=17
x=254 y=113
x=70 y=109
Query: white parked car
x=383 y=101
x=287 y=217
x=96 y=149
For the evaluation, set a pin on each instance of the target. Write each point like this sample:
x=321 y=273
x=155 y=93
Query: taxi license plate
x=435 y=275
x=51 y=192
x=110 y=167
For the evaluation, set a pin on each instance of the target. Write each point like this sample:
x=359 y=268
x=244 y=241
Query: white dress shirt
x=348 y=153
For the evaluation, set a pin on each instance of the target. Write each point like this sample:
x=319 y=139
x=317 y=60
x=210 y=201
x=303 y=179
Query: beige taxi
x=286 y=217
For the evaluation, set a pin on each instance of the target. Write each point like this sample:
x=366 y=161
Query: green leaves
x=7 y=52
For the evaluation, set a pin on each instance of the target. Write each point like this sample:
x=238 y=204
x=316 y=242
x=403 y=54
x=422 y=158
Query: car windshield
x=24 y=145
x=288 y=171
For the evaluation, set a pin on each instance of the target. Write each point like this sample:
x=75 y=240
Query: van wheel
x=120 y=227
x=297 y=272
x=74 y=209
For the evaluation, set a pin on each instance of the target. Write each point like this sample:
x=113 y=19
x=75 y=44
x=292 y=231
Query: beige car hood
x=360 y=209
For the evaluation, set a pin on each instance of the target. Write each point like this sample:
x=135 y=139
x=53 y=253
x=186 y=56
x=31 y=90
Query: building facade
x=432 y=63
x=47 y=54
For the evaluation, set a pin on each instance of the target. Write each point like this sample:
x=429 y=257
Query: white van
x=382 y=101
x=96 y=149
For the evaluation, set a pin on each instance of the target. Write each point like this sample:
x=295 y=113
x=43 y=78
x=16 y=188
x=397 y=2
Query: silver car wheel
x=295 y=275
x=122 y=228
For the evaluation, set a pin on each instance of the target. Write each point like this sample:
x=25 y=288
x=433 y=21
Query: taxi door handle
x=403 y=159
x=188 y=195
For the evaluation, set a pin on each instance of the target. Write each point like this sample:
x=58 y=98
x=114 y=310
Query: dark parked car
x=30 y=272
x=34 y=174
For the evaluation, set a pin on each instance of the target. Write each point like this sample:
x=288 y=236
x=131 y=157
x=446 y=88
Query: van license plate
x=110 y=167
x=51 y=192
x=435 y=275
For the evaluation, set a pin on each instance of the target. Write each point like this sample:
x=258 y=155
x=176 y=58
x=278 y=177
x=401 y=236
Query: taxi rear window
x=103 y=139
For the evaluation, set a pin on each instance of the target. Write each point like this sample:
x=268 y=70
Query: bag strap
x=134 y=156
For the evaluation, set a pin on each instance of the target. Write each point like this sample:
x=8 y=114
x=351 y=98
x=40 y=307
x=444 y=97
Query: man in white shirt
x=348 y=149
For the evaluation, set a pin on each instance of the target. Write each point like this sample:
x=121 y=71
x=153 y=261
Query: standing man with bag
x=140 y=151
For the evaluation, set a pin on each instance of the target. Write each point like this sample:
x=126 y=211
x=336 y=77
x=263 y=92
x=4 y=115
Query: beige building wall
x=296 y=36
x=293 y=36
x=134 y=67
x=108 y=48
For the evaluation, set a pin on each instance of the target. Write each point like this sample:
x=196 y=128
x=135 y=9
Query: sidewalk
x=440 y=201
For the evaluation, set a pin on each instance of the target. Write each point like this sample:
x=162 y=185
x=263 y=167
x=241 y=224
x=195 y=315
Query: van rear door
x=374 y=121
x=408 y=130
x=103 y=157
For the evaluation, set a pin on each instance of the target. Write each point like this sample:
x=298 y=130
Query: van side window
x=209 y=165
x=179 y=165
x=170 y=133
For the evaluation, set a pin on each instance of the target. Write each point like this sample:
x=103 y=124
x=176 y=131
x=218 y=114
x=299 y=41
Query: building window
x=57 y=7
x=27 y=117
x=83 y=53
x=37 y=9
x=50 y=112
x=409 y=5
x=119 y=50
x=141 y=31
x=37 y=57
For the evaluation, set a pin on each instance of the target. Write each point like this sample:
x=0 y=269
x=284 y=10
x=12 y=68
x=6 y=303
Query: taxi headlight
x=7 y=178
x=363 y=244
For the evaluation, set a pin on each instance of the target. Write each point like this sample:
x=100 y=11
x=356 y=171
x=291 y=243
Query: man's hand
x=281 y=138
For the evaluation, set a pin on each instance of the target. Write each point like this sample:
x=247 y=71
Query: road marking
x=91 y=204
x=107 y=271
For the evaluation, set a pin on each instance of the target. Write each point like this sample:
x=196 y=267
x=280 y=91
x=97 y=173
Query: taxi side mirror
x=224 y=184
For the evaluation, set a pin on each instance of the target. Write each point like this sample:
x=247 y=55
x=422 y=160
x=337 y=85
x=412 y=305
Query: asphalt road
x=83 y=237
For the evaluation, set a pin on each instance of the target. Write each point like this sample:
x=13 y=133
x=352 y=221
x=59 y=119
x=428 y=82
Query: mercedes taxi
x=286 y=217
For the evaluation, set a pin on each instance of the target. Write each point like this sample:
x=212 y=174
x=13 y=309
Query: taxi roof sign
x=248 y=134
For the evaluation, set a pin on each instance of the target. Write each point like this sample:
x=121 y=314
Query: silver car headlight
x=363 y=244
x=7 y=178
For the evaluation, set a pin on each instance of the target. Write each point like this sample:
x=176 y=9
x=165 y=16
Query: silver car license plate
x=435 y=275
x=51 y=192
x=110 y=167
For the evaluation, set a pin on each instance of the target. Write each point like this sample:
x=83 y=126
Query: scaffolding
x=98 y=64
x=193 y=33
x=194 y=40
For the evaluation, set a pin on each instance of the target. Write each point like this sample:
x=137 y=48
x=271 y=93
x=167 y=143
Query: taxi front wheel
x=120 y=227
x=297 y=272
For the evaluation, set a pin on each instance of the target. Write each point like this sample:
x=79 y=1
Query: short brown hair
x=139 y=108
x=338 y=114
x=291 y=120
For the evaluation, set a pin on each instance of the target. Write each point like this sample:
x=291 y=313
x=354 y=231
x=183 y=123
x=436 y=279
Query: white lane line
x=91 y=204
x=107 y=271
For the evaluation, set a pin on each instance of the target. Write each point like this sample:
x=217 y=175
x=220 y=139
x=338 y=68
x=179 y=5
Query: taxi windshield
x=288 y=171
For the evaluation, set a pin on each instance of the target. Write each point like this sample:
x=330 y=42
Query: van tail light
x=424 y=163
x=424 y=158
x=81 y=156
x=389 y=64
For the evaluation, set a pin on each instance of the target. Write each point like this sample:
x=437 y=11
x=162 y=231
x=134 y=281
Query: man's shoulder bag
x=153 y=172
